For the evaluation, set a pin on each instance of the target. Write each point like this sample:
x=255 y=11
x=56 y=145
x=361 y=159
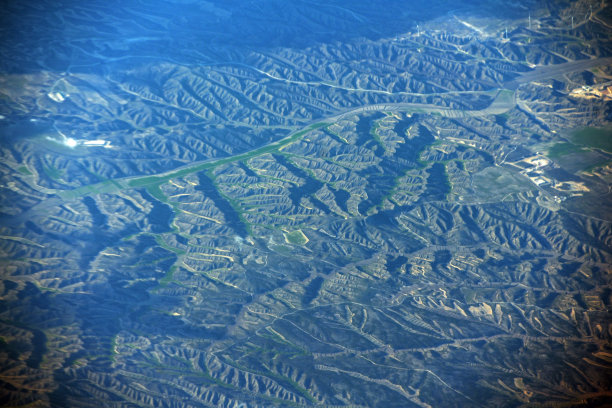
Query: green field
x=496 y=182
x=585 y=151
x=563 y=149
x=296 y=237
x=597 y=138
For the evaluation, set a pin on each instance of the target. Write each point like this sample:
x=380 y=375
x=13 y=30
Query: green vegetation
x=504 y=97
x=581 y=140
x=154 y=182
x=54 y=173
x=155 y=191
x=563 y=149
x=24 y=170
x=282 y=249
x=296 y=237
x=336 y=135
x=161 y=243
x=586 y=150
x=496 y=182
x=428 y=248
x=598 y=138
x=375 y=136
x=79 y=363
x=107 y=186
x=143 y=181
x=167 y=279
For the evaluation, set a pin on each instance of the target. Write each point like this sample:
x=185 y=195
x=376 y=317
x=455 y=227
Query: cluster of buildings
x=533 y=167
x=601 y=91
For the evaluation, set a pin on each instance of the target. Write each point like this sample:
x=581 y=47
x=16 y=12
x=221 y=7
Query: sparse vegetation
x=233 y=204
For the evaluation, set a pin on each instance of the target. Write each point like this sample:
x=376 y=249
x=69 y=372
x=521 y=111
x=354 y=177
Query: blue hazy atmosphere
x=269 y=203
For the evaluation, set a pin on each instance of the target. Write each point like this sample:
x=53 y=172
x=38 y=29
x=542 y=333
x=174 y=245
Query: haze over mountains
x=301 y=203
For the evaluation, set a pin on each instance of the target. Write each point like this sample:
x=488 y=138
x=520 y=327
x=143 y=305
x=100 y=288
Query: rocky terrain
x=295 y=204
